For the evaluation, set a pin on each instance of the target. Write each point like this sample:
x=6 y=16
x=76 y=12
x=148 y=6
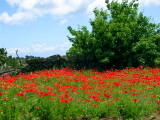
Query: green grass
x=130 y=94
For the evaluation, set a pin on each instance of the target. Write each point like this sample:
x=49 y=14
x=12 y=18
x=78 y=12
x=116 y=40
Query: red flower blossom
x=148 y=87
x=40 y=95
x=134 y=94
x=1 y=94
x=20 y=94
x=51 y=98
x=126 y=91
x=135 y=100
x=95 y=105
x=70 y=99
x=117 y=98
x=5 y=98
x=145 y=95
x=88 y=100
x=25 y=97
x=106 y=95
x=154 y=96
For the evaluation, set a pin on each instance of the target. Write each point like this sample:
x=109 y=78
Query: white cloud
x=63 y=47
x=39 y=48
x=149 y=2
x=13 y=2
x=30 y=9
x=96 y=3
x=16 y=18
x=63 y=22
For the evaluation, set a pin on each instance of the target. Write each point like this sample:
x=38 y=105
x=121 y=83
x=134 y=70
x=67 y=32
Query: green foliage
x=7 y=62
x=3 y=55
x=120 y=36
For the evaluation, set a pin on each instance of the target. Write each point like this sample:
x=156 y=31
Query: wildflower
x=25 y=97
x=20 y=94
x=117 y=98
x=141 y=91
x=51 y=98
x=70 y=99
x=88 y=100
x=126 y=91
x=145 y=95
x=154 y=96
x=1 y=94
x=64 y=100
x=5 y=98
x=134 y=94
x=120 y=91
x=1 y=110
x=148 y=87
x=95 y=105
x=40 y=95
x=109 y=104
x=66 y=95
x=107 y=95
x=158 y=101
x=135 y=100
x=37 y=107
x=133 y=89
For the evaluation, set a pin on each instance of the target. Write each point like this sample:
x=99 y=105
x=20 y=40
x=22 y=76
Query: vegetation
x=120 y=37
x=8 y=62
x=131 y=94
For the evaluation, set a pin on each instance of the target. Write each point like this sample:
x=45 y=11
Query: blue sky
x=39 y=27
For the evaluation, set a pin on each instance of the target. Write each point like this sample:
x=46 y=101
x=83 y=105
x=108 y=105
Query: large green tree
x=120 y=36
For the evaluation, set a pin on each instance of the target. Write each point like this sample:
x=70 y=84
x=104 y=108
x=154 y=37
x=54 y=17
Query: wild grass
x=130 y=94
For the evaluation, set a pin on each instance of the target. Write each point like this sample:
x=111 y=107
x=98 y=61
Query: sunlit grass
x=133 y=93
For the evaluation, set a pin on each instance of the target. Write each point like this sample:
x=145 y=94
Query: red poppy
x=117 y=98
x=88 y=100
x=154 y=96
x=64 y=100
x=51 y=98
x=135 y=100
x=25 y=97
x=20 y=94
x=95 y=105
x=5 y=98
x=134 y=94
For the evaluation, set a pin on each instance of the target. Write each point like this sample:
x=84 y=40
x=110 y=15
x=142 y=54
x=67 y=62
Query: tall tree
x=120 y=36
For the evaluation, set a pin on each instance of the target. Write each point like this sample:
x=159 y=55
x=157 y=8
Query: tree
x=3 y=56
x=8 y=62
x=120 y=36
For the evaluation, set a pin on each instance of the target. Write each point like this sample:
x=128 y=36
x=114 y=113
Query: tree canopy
x=120 y=36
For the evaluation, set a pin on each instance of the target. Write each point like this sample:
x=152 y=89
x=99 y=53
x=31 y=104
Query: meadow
x=66 y=94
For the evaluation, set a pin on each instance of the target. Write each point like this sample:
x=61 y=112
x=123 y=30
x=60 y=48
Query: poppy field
x=66 y=94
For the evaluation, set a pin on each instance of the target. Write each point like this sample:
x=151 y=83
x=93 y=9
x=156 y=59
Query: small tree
x=120 y=36
x=8 y=62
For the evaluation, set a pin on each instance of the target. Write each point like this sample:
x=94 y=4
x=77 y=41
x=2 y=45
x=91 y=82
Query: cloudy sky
x=39 y=27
